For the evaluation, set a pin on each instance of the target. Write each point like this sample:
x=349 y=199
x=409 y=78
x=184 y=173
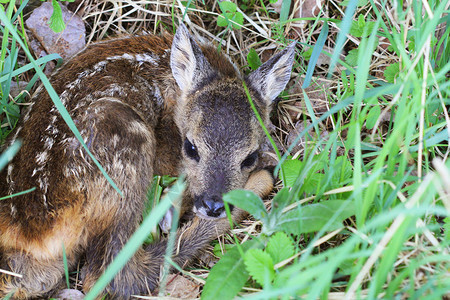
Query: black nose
x=213 y=205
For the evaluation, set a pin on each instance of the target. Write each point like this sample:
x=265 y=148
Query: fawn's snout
x=210 y=206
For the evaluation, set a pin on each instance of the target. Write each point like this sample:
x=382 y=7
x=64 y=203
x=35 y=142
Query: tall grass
x=363 y=208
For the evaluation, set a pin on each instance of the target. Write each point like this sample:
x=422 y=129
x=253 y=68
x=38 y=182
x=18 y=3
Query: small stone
x=66 y=43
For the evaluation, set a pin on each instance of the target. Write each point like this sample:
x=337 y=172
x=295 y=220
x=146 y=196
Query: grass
x=364 y=203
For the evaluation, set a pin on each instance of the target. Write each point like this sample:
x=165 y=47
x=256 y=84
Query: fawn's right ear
x=189 y=66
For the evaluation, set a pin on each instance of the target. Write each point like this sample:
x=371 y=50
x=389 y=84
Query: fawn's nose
x=213 y=205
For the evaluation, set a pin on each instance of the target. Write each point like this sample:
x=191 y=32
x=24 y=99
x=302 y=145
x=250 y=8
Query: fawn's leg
x=124 y=145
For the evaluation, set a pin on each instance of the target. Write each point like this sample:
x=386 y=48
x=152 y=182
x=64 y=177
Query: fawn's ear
x=189 y=66
x=271 y=78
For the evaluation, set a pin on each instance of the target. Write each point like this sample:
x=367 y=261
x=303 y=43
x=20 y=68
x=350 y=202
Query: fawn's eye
x=191 y=150
x=250 y=160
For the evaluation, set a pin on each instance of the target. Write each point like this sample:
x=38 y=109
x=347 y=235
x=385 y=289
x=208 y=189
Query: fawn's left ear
x=189 y=66
x=271 y=78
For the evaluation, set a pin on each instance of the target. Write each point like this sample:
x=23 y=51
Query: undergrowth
x=362 y=207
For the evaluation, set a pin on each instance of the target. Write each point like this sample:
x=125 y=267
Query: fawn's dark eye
x=250 y=160
x=191 y=150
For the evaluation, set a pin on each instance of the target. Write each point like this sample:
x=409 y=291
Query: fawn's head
x=220 y=132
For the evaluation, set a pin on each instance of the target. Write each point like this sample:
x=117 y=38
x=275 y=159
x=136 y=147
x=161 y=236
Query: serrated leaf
x=227 y=6
x=56 y=22
x=230 y=13
x=391 y=72
x=229 y=275
x=248 y=201
x=280 y=247
x=313 y=217
x=239 y=19
x=352 y=57
x=259 y=265
x=253 y=59
x=373 y=116
x=221 y=21
x=361 y=31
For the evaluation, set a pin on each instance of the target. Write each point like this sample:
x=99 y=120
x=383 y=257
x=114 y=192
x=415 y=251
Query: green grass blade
x=342 y=35
x=8 y=155
x=315 y=55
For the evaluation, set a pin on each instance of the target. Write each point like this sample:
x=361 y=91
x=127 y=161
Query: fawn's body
x=144 y=106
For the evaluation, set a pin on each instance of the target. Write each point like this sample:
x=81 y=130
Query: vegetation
x=361 y=209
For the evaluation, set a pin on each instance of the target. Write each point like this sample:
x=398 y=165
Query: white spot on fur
x=157 y=93
x=141 y=58
x=41 y=158
x=9 y=175
x=123 y=56
x=48 y=143
x=43 y=185
x=115 y=140
x=146 y=58
x=64 y=97
x=113 y=90
x=13 y=210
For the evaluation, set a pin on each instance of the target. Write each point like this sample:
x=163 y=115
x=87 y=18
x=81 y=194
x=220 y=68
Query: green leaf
x=313 y=217
x=253 y=59
x=239 y=19
x=230 y=13
x=280 y=201
x=307 y=54
x=56 y=22
x=188 y=4
x=391 y=72
x=447 y=229
x=361 y=21
x=291 y=169
x=352 y=57
x=218 y=248
x=280 y=247
x=229 y=275
x=312 y=182
x=248 y=201
x=259 y=265
x=221 y=21
x=344 y=170
x=227 y=6
x=361 y=28
x=373 y=116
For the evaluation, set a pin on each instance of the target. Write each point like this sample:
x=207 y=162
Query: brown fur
x=135 y=108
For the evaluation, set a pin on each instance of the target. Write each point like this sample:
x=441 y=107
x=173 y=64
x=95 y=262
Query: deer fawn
x=144 y=105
